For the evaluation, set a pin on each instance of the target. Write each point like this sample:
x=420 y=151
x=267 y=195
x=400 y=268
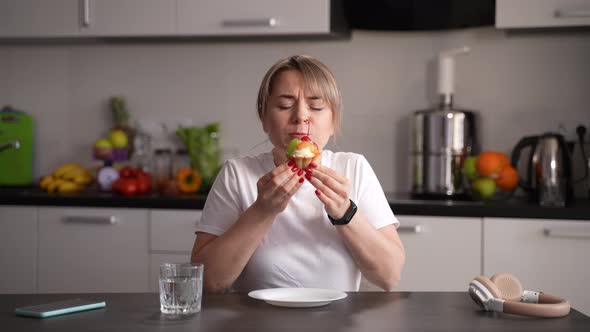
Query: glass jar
x=162 y=166
x=181 y=160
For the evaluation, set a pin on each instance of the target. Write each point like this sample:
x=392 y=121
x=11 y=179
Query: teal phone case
x=30 y=312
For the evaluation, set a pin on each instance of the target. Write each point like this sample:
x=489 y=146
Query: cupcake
x=303 y=151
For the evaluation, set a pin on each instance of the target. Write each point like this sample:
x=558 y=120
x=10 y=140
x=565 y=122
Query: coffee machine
x=442 y=137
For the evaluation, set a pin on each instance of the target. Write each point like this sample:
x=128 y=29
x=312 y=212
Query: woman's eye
x=316 y=108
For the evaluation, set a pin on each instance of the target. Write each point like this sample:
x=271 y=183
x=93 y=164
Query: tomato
x=117 y=185
x=129 y=187
x=142 y=174
x=144 y=185
x=127 y=172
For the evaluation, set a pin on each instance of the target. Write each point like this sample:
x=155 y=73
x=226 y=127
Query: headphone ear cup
x=508 y=286
x=487 y=283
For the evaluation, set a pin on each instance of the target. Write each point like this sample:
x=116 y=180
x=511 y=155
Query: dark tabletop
x=360 y=311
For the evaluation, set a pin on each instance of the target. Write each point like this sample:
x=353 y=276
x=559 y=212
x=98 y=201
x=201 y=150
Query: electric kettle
x=548 y=177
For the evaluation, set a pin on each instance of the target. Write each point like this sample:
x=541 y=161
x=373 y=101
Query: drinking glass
x=181 y=288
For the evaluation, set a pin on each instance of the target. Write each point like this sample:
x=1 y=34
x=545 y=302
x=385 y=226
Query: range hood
x=410 y=15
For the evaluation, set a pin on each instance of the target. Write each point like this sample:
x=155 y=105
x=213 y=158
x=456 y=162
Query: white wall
x=521 y=83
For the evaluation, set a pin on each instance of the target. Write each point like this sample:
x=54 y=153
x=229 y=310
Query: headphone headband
x=488 y=295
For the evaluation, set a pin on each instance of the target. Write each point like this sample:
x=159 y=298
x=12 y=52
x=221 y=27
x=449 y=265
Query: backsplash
x=521 y=83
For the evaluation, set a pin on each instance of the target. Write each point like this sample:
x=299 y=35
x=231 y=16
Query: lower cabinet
x=93 y=250
x=442 y=253
x=172 y=235
x=18 y=249
x=545 y=255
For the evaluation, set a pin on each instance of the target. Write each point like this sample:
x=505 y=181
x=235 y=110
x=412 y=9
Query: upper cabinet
x=170 y=18
x=38 y=18
x=254 y=17
x=542 y=13
x=126 y=18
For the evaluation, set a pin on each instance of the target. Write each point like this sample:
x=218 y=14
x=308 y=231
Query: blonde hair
x=316 y=76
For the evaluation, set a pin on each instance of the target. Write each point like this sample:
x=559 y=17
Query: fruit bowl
x=489 y=176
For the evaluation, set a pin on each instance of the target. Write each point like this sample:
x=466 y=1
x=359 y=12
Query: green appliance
x=16 y=147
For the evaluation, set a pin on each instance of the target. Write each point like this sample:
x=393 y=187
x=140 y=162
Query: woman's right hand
x=276 y=187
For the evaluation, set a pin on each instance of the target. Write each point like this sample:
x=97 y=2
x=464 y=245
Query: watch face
x=106 y=176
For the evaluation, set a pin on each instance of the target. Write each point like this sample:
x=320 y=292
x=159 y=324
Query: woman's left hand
x=332 y=189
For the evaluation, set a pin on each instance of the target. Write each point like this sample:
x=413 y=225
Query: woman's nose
x=301 y=114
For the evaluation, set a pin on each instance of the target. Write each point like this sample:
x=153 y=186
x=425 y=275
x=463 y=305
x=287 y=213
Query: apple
x=484 y=188
x=118 y=138
x=103 y=143
x=470 y=168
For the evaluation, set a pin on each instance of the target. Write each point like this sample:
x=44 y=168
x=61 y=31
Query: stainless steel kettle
x=548 y=177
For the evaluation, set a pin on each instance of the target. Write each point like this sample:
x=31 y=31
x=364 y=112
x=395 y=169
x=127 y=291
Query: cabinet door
x=39 y=18
x=172 y=235
x=93 y=250
x=442 y=253
x=542 y=13
x=128 y=17
x=254 y=17
x=545 y=255
x=18 y=249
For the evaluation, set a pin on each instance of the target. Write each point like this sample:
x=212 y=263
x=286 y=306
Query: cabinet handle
x=270 y=22
x=549 y=232
x=86 y=13
x=109 y=220
x=414 y=229
x=572 y=13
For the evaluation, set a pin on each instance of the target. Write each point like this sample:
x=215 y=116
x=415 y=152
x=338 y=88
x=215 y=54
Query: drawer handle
x=110 y=220
x=270 y=22
x=86 y=13
x=572 y=13
x=548 y=232
x=414 y=229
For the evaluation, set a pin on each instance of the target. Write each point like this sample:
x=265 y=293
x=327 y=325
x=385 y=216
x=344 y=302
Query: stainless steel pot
x=441 y=139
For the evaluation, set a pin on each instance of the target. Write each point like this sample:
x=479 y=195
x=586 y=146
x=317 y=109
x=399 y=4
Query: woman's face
x=291 y=109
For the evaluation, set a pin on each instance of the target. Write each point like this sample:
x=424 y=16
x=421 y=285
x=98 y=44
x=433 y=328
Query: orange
x=490 y=163
x=507 y=179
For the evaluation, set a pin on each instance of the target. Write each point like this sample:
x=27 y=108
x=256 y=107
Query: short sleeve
x=221 y=209
x=371 y=198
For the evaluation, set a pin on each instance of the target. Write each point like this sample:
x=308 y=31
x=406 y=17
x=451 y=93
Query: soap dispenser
x=442 y=137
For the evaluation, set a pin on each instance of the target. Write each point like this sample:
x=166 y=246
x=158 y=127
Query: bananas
x=68 y=178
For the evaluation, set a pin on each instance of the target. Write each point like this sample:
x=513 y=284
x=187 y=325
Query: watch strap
x=347 y=217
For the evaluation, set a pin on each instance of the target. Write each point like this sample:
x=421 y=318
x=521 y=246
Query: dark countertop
x=360 y=311
x=401 y=204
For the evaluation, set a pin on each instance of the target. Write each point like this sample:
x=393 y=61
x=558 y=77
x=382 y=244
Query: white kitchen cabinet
x=545 y=255
x=125 y=18
x=39 y=18
x=442 y=253
x=18 y=249
x=93 y=250
x=254 y=17
x=172 y=235
x=542 y=13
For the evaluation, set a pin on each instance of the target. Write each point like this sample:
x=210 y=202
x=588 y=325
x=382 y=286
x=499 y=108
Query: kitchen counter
x=360 y=311
x=401 y=204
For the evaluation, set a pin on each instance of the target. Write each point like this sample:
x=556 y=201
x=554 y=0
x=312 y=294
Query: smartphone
x=60 y=308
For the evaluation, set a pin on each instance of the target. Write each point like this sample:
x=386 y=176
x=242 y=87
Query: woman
x=268 y=224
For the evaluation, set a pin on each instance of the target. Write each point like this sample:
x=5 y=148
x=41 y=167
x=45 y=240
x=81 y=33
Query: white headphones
x=503 y=293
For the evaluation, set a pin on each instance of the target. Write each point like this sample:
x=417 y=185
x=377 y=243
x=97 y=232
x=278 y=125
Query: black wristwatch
x=347 y=215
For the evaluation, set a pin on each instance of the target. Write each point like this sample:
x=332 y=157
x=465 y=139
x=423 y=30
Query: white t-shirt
x=302 y=248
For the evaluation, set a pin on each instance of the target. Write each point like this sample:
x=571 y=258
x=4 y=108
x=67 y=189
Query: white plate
x=297 y=297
